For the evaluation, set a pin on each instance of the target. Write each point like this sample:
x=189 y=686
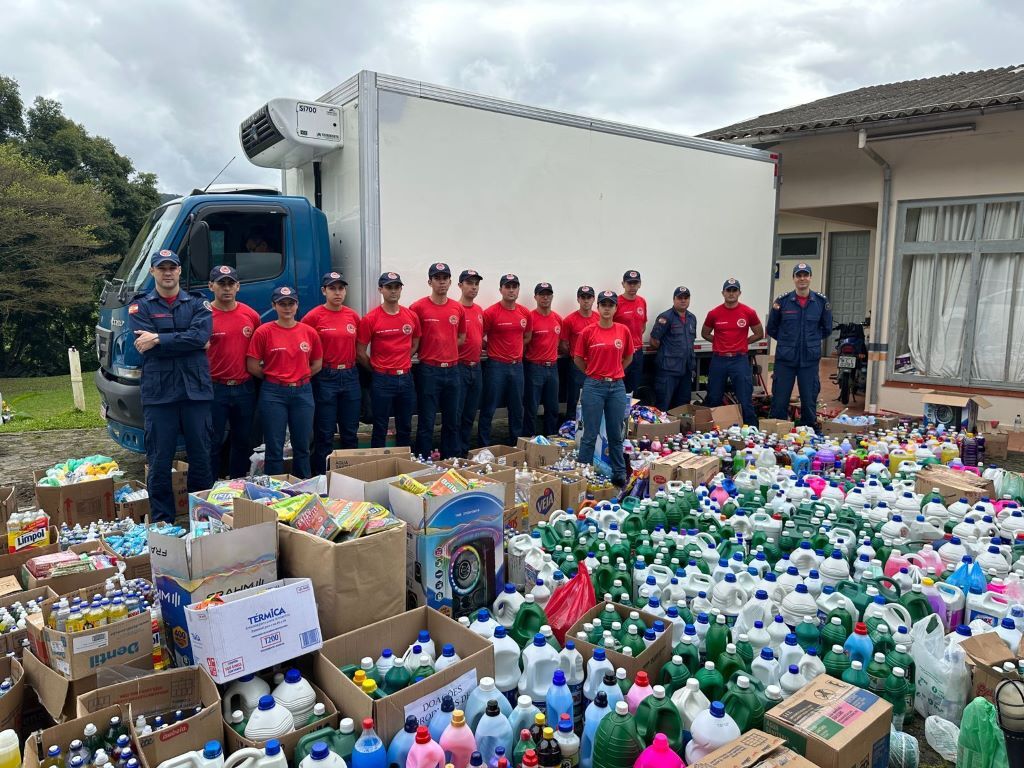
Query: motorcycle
x=852 y=365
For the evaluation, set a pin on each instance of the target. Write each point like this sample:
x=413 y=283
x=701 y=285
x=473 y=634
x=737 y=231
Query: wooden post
x=76 y=379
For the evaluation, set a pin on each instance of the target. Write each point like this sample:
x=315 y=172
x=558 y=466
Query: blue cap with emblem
x=543 y=288
x=386 y=278
x=508 y=280
x=439 y=269
x=469 y=274
x=163 y=257
x=283 y=293
x=223 y=272
x=732 y=284
x=803 y=266
x=330 y=278
x=606 y=296
x=681 y=290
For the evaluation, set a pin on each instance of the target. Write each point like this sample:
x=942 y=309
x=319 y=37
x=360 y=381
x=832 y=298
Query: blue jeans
x=163 y=424
x=634 y=372
x=291 y=407
x=470 y=387
x=438 y=390
x=736 y=369
x=572 y=390
x=806 y=378
x=541 y=385
x=606 y=399
x=392 y=395
x=672 y=389
x=503 y=385
x=338 y=397
x=233 y=407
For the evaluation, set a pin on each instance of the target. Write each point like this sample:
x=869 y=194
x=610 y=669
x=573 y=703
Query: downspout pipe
x=881 y=267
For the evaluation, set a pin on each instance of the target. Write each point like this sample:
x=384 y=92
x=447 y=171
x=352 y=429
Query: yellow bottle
x=117 y=611
x=358 y=677
x=10 y=750
x=76 y=622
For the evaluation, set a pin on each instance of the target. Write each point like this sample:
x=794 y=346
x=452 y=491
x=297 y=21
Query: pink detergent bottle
x=641 y=690
x=816 y=483
x=425 y=752
x=458 y=739
x=659 y=755
x=894 y=563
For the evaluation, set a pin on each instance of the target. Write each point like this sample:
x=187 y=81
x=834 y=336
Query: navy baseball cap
x=164 y=256
x=439 y=269
x=585 y=290
x=506 y=279
x=803 y=266
x=608 y=296
x=330 y=278
x=223 y=272
x=389 y=277
x=681 y=290
x=469 y=274
x=631 y=276
x=283 y=293
x=731 y=284
x=543 y=288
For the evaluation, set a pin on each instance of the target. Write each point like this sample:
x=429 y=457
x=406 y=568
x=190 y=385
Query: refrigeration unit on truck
x=387 y=173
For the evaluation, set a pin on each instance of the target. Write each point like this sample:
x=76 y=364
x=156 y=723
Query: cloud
x=169 y=83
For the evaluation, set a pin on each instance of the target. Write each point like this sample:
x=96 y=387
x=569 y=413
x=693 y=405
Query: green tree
x=12 y=121
x=51 y=259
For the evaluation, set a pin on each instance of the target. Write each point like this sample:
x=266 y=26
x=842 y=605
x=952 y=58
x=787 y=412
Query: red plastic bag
x=570 y=602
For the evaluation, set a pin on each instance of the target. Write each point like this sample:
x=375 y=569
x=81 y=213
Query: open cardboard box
x=66 y=732
x=684 y=467
x=776 y=426
x=78 y=503
x=11 y=703
x=71 y=582
x=11 y=641
x=347 y=457
x=8 y=504
x=700 y=418
x=504 y=455
x=541 y=455
x=754 y=749
x=953 y=484
x=369 y=481
x=651 y=660
x=664 y=429
x=133 y=510
x=964 y=405
x=422 y=699
x=11 y=564
x=984 y=652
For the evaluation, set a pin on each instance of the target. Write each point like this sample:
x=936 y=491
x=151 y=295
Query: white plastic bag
x=943 y=680
x=942 y=736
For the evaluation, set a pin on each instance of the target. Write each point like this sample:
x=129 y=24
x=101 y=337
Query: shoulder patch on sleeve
x=661 y=320
x=133 y=308
x=827 y=305
x=207 y=305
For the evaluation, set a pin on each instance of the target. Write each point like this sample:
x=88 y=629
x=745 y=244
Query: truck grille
x=258 y=132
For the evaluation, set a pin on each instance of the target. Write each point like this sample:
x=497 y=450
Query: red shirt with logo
x=337 y=330
x=543 y=346
x=390 y=338
x=732 y=327
x=573 y=325
x=504 y=329
x=632 y=313
x=440 y=326
x=603 y=350
x=470 y=350
x=232 y=331
x=286 y=352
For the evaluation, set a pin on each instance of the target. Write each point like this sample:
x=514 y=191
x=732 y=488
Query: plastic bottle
x=458 y=740
x=10 y=749
x=369 y=751
x=398 y=750
x=895 y=692
x=478 y=700
x=506 y=663
x=717 y=638
x=859 y=645
x=596 y=711
x=877 y=671
x=856 y=675
x=397 y=678
x=210 y=756
x=385 y=662
x=425 y=752
x=447 y=658
x=549 y=753
x=1009 y=633
x=525 y=743
x=523 y=715
x=270 y=720
x=540 y=661
x=811 y=665
x=766 y=668
x=507 y=606
x=674 y=674
x=321 y=756
x=638 y=691
x=597 y=668
x=568 y=742
x=791 y=680
x=443 y=717
x=484 y=625
x=690 y=701
x=617 y=743
x=296 y=695
x=657 y=714
x=711 y=730
x=743 y=704
x=570 y=661
x=493 y=730
x=244 y=694
x=529 y=619
x=558 y=699
x=659 y=755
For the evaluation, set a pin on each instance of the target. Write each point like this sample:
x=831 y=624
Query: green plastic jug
x=617 y=743
x=674 y=675
x=744 y=705
x=657 y=714
x=336 y=741
x=529 y=619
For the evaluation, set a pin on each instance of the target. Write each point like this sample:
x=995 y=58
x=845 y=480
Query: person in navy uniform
x=172 y=328
x=799 y=321
x=673 y=335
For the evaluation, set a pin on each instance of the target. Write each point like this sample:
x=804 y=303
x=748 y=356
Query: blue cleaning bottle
x=596 y=711
x=398 y=752
x=369 y=751
x=559 y=698
x=441 y=719
x=612 y=692
x=493 y=730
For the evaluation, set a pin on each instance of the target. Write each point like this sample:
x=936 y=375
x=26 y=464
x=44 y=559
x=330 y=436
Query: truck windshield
x=135 y=267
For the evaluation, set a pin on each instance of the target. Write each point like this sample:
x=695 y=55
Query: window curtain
x=1000 y=319
x=940 y=222
x=937 y=313
x=1004 y=221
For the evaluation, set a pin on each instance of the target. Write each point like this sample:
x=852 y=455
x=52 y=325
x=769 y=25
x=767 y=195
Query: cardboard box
x=455 y=545
x=355 y=582
x=541 y=455
x=651 y=660
x=369 y=481
x=156 y=694
x=504 y=455
x=11 y=703
x=499 y=474
x=776 y=426
x=953 y=484
x=12 y=641
x=56 y=693
x=76 y=655
x=255 y=629
x=186 y=571
x=422 y=699
x=134 y=510
x=952 y=408
x=666 y=429
x=699 y=418
x=347 y=457
x=76 y=504
x=542 y=497
x=755 y=749
x=997 y=445
x=1014 y=440
x=834 y=724
x=179 y=486
x=574 y=488
x=70 y=730
x=839 y=429
x=984 y=652
x=72 y=582
x=137 y=566
x=8 y=504
x=683 y=466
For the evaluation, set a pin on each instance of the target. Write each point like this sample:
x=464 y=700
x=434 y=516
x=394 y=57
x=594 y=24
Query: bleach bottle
x=597 y=668
x=524 y=715
x=211 y=756
x=271 y=756
x=478 y=700
x=368 y=751
x=493 y=731
x=570 y=661
x=270 y=721
x=296 y=695
x=398 y=751
x=711 y=729
x=244 y=694
x=559 y=699
x=506 y=663
x=321 y=756
x=540 y=661
x=596 y=711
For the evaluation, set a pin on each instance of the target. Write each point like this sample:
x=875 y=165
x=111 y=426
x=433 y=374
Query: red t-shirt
x=286 y=352
x=337 y=331
x=573 y=325
x=440 y=326
x=632 y=313
x=470 y=350
x=390 y=338
x=603 y=350
x=802 y=300
x=732 y=327
x=543 y=346
x=232 y=331
x=504 y=329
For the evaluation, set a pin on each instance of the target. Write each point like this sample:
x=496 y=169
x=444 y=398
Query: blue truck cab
x=271 y=239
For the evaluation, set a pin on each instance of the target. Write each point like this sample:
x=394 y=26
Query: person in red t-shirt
x=234 y=394
x=507 y=328
x=540 y=368
x=632 y=313
x=603 y=352
x=470 y=380
x=731 y=327
x=392 y=332
x=443 y=325
x=336 y=389
x=286 y=354
x=572 y=327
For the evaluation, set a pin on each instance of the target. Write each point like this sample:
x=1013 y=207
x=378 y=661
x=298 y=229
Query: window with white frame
x=958 y=310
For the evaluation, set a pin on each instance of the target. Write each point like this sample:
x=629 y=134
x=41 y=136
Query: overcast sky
x=169 y=82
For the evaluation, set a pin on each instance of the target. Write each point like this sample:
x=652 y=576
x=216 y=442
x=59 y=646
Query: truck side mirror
x=199 y=250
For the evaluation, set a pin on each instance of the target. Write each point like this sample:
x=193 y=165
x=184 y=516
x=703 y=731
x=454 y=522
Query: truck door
x=254 y=239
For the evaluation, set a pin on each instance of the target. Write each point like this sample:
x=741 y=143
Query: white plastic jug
x=695 y=582
x=988 y=607
x=757 y=608
x=210 y=756
x=506 y=662
x=507 y=605
x=894 y=614
x=296 y=695
x=271 y=756
x=269 y=720
x=729 y=598
x=321 y=756
x=797 y=604
x=244 y=694
x=711 y=729
x=540 y=661
x=690 y=702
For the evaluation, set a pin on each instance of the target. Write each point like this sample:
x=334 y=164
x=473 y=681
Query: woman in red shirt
x=603 y=352
x=286 y=354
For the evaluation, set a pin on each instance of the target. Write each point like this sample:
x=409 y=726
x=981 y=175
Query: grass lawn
x=47 y=403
